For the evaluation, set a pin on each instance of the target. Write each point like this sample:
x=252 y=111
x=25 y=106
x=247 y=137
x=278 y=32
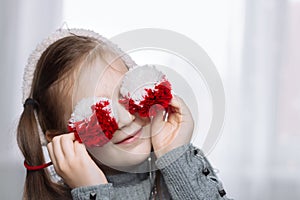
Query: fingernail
x=166 y=115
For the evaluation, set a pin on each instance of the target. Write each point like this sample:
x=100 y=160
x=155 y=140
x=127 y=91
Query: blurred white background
x=254 y=44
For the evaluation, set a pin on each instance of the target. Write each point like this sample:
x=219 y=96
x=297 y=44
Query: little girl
x=144 y=158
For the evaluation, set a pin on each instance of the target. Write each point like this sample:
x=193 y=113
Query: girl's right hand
x=72 y=162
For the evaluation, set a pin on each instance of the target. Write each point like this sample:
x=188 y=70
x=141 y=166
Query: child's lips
x=130 y=138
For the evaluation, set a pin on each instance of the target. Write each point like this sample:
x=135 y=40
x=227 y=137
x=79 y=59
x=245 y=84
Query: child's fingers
x=157 y=123
x=67 y=145
x=50 y=134
x=177 y=104
x=176 y=101
x=180 y=107
x=79 y=148
x=51 y=153
x=57 y=151
x=61 y=151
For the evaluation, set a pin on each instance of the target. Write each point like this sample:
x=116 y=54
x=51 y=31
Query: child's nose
x=124 y=117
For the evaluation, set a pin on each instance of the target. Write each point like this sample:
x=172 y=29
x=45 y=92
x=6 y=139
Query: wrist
x=159 y=152
x=170 y=157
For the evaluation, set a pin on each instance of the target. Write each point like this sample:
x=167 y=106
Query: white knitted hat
x=59 y=34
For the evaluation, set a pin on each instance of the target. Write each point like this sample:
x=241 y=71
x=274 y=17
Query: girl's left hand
x=173 y=131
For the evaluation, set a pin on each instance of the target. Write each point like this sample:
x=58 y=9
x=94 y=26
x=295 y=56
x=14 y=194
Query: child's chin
x=132 y=164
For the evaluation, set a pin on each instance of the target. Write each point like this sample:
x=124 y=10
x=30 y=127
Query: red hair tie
x=38 y=167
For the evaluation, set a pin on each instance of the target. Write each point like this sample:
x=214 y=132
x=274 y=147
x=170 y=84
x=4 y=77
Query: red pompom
x=98 y=129
x=155 y=100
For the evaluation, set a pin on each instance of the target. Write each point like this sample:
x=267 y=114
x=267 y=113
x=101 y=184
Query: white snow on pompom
x=83 y=109
x=139 y=78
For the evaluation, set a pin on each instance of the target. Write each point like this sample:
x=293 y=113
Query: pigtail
x=38 y=184
x=48 y=79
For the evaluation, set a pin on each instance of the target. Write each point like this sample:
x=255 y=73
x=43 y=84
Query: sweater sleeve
x=97 y=192
x=189 y=175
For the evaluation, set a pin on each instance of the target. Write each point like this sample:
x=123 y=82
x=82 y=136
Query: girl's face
x=131 y=143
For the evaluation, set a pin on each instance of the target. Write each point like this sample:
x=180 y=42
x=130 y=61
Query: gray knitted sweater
x=184 y=177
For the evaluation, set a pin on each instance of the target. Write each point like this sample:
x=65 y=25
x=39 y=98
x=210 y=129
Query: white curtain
x=23 y=24
x=259 y=154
